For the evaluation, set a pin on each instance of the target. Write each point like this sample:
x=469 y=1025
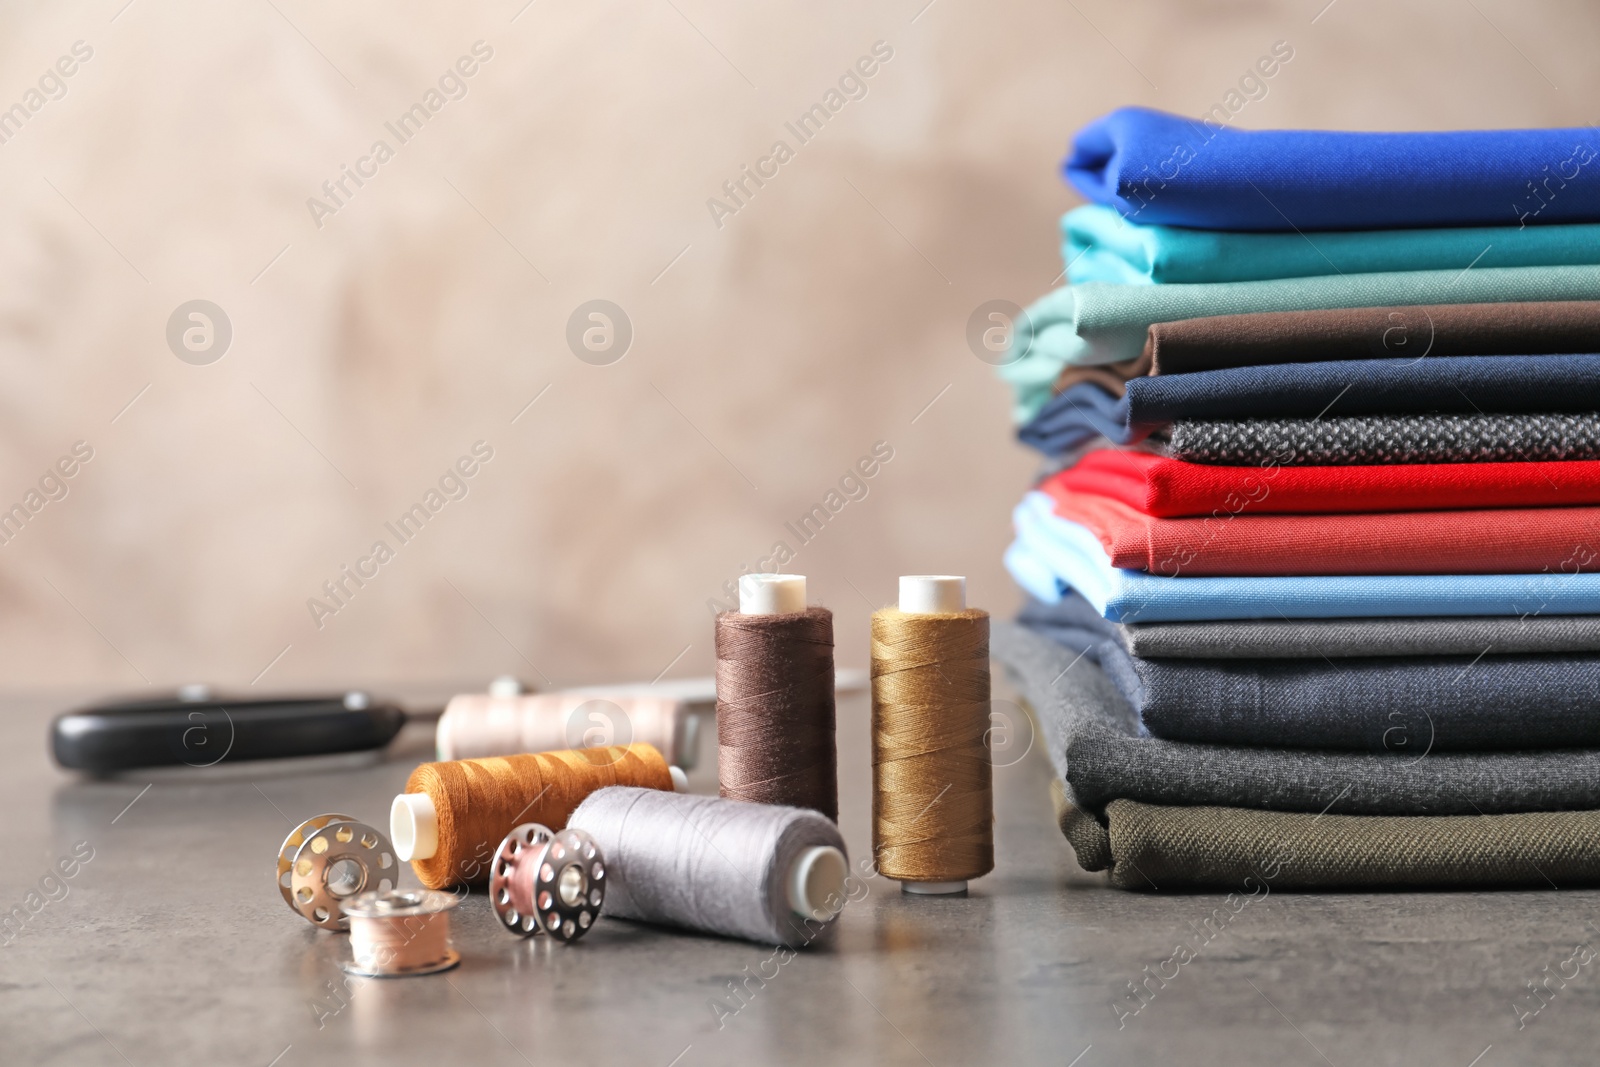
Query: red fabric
x=1504 y=541
x=1169 y=488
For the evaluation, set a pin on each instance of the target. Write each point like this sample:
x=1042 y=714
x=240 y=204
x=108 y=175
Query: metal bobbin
x=546 y=882
x=396 y=933
x=328 y=859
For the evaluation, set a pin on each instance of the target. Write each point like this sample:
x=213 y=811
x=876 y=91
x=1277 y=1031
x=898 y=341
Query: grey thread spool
x=758 y=871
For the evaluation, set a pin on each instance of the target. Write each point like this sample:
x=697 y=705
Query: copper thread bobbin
x=547 y=882
x=396 y=933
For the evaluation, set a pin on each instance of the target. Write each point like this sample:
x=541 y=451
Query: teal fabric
x=1099 y=245
x=1099 y=323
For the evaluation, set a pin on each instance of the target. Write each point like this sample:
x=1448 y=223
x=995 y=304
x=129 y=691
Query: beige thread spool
x=400 y=932
x=476 y=725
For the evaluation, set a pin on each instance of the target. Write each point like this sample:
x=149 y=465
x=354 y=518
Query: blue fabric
x=1099 y=245
x=1154 y=167
x=1051 y=555
x=1093 y=324
x=1440 y=384
x=1080 y=414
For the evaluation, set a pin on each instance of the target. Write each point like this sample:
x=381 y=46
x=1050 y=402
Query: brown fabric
x=1112 y=377
x=1153 y=847
x=1525 y=329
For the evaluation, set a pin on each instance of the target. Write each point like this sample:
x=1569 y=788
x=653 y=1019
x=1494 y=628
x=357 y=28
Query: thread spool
x=447 y=821
x=765 y=873
x=932 y=788
x=543 y=882
x=396 y=933
x=775 y=709
x=328 y=859
x=475 y=725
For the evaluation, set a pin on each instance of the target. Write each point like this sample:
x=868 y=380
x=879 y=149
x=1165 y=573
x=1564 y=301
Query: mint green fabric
x=1099 y=245
x=1099 y=323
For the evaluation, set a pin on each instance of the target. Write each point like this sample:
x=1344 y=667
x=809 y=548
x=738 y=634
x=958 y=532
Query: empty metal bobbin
x=395 y=933
x=329 y=859
x=548 y=882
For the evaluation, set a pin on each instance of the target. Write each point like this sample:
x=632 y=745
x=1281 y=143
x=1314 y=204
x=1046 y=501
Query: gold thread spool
x=477 y=802
x=400 y=932
x=932 y=783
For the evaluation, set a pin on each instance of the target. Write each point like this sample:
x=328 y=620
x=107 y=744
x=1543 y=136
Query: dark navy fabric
x=1442 y=384
x=1397 y=704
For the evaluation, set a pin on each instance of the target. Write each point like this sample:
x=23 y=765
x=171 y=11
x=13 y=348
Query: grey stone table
x=171 y=945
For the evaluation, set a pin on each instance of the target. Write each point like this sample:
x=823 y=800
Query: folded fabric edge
x=1150 y=847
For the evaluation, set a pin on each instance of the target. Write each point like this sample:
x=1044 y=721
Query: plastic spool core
x=505 y=686
x=932 y=594
x=772 y=594
x=414 y=826
x=816 y=883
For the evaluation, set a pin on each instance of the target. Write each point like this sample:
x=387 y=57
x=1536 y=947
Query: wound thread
x=707 y=864
x=775 y=711
x=479 y=801
x=394 y=933
x=932 y=783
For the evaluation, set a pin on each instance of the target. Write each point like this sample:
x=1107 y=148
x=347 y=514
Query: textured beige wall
x=770 y=353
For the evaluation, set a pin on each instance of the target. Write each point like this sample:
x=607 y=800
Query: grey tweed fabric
x=1074 y=622
x=1376 y=439
x=1092 y=736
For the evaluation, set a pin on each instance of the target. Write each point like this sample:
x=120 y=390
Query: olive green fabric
x=1155 y=847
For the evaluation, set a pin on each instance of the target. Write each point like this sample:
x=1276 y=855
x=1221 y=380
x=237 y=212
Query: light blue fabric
x=1049 y=547
x=1099 y=245
x=1098 y=323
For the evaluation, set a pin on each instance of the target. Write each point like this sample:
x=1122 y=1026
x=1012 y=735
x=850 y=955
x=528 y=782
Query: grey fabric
x=1377 y=439
x=1075 y=623
x=1153 y=847
x=1092 y=735
x=1407 y=705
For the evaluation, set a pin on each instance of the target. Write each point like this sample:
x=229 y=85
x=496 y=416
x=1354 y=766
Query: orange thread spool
x=479 y=801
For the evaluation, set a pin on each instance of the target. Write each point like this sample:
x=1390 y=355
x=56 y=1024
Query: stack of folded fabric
x=1314 y=567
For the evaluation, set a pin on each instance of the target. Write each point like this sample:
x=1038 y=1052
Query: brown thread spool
x=453 y=814
x=775 y=710
x=932 y=783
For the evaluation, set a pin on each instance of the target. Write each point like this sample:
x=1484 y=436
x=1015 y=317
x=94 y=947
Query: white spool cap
x=772 y=594
x=932 y=594
x=506 y=685
x=414 y=826
x=933 y=889
x=816 y=882
x=680 y=781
